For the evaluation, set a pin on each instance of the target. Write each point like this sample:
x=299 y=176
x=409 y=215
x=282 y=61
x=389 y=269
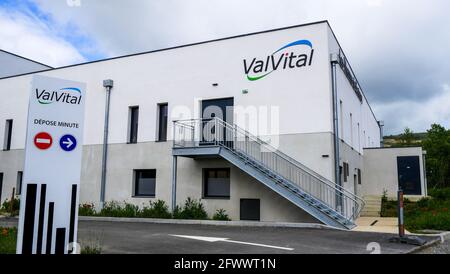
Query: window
x=162 y=122
x=364 y=137
x=216 y=183
x=8 y=134
x=341 y=120
x=359 y=176
x=133 y=127
x=1 y=186
x=359 y=139
x=346 y=171
x=351 y=130
x=19 y=182
x=144 y=183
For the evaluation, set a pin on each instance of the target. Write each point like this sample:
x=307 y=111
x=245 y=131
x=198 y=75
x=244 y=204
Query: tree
x=407 y=137
x=437 y=146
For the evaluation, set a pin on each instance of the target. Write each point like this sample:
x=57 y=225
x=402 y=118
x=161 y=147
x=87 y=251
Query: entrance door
x=408 y=168
x=250 y=209
x=220 y=108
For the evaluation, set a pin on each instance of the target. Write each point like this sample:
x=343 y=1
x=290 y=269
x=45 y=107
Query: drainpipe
x=381 y=125
x=108 y=84
x=337 y=176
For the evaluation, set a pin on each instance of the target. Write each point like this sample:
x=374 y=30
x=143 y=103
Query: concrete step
x=372 y=203
x=370 y=214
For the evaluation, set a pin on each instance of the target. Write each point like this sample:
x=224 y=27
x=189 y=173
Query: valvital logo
x=294 y=55
x=64 y=95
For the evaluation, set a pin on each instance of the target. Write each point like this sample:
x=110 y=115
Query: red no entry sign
x=43 y=140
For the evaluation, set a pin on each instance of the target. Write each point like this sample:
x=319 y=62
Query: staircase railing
x=216 y=132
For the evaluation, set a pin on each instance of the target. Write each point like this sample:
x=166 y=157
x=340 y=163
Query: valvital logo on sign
x=71 y=95
x=51 y=180
x=297 y=54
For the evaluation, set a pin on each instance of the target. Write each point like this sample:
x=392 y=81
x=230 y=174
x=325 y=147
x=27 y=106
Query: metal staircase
x=323 y=199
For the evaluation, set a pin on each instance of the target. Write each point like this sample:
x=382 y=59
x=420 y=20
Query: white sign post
x=48 y=217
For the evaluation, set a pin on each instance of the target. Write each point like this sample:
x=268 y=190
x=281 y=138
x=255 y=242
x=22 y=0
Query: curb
x=205 y=222
x=442 y=236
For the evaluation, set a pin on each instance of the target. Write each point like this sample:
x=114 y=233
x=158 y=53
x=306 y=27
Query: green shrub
x=114 y=209
x=192 y=209
x=424 y=202
x=440 y=193
x=177 y=213
x=427 y=213
x=221 y=215
x=86 y=210
x=384 y=197
x=157 y=209
x=89 y=250
x=6 y=206
x=437 y=219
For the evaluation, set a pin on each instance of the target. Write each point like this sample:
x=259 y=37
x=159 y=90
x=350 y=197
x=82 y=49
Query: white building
x=284 y=86
x=13 y=64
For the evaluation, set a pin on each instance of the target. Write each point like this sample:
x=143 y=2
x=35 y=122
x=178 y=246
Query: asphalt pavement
x=156 y=238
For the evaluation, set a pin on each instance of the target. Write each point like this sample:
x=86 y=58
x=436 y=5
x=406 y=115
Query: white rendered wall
x=369 y=132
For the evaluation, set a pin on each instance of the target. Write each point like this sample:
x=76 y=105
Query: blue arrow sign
x=68 y=142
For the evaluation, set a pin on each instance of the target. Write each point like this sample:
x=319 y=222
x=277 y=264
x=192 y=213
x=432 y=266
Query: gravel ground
x=440 y=248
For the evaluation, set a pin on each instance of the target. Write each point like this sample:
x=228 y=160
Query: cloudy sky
x=399 y=49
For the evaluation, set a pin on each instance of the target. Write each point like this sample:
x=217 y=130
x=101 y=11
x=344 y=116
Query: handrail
x=339 y=199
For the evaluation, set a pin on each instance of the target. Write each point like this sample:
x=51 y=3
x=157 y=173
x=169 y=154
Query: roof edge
x=28 y=59
x=165 y=49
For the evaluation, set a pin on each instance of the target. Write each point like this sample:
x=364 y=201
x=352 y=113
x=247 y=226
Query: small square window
x=144 y=183
x=216 y=183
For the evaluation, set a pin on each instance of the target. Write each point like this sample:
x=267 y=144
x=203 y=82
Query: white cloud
x=398 y=49
x=25 y=35
x=416 y=115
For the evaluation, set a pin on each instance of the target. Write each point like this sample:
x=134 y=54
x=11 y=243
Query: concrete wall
x=380 y=170
x=355 y=161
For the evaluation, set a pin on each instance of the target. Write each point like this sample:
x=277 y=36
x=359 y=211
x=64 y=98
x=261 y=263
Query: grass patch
x=427 y=213
x=91 y=250
x=8 y=237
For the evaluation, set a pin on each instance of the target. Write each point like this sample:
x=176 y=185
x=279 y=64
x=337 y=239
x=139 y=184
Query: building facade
x=290 y=87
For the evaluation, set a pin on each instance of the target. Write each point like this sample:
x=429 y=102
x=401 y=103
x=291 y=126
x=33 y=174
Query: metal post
x=174 y=183
x=334 y=62
x=402 y=238
x=401 y=226
x=108 y=84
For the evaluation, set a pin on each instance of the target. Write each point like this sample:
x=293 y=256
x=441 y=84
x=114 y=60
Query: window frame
x=8 y=134
x=135 y=190
x=1 y=185
x=359 y=176
x=133 y=131
x=19 y=182
x=159 y=122
x=205 y=194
